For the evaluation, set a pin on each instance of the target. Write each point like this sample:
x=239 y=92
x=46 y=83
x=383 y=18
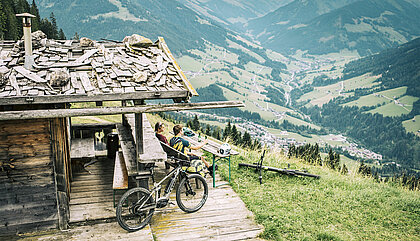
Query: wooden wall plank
x=27 y=191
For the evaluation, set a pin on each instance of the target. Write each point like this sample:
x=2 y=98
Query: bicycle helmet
x=188 y=132
x=225 y=149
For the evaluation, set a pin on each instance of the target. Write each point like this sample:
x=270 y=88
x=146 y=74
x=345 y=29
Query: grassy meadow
x=335 y=207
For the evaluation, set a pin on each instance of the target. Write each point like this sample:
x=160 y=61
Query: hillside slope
x=234 y=12
x=334 y=207
x=367 y=26
x=292 y=14
x=182 y=28
x=397 y=67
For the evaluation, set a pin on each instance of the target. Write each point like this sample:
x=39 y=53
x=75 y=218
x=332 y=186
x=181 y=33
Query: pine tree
x=22 y=6
x=344 y=170
x=54 y=33
x=36 y=22
x=3 y=19
x=208 y=132
x=195 y=124
x=227 y=131
x=61 y=35
x=234 y=134
x=246 y=139
x=11 y=23
x=189 y=124
x=76 y=36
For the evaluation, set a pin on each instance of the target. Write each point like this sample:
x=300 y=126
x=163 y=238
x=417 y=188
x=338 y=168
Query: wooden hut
x=35 y=106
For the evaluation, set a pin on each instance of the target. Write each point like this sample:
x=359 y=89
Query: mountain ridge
x=367 y=26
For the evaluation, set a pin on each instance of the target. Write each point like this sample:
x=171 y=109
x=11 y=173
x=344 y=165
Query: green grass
x=390 y=109
x=188 y=63
x=368 y=100
x=335 y=207
x=245 y=50
x=412 y=125
x=408 y=101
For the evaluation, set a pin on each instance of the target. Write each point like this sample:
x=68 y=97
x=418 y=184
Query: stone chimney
x=27 y=38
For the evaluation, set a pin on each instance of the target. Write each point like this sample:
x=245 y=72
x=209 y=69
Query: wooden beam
x=138 y=122
x=55 y=113
x=48 y=99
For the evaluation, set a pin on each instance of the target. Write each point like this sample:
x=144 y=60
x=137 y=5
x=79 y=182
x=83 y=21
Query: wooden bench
x=128 y=149
x=120 y=175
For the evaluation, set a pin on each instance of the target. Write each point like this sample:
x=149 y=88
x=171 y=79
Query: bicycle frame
x=158 y=186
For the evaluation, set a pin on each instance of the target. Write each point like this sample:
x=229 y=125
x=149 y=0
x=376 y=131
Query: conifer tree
x=195 y=124
x=344 y=170
x=61 y=35
x=208 y=132
x=11 y=25
x=246 y=139
x=76 y=36
x=54 y=33
x=3 y=19
x=35 y=22
x=234 y=134
x=227 y=131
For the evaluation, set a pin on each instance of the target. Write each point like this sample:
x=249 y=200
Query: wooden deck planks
x=91 y=192
x=223 y=217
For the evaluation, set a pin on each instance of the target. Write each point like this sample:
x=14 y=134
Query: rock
x=59 y=77
x=85 y=42
x=38 y=35
x=37 y=40
x=136 y=40
x=140 y=77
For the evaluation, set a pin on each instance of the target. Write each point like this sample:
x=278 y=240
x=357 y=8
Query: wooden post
x=124 y=119
x=141 y=167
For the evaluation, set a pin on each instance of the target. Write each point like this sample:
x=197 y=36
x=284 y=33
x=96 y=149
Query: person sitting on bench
x=181 y=145
x=159 y=129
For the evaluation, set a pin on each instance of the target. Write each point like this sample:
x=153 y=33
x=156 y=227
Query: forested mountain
x=234 y=12
x=367 y=26
x=397 y=67
x=182 y=28
x=11 y=26
x=292 y=15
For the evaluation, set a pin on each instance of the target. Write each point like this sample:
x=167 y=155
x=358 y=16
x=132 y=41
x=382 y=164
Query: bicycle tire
x=192 y=193
x=135 y=209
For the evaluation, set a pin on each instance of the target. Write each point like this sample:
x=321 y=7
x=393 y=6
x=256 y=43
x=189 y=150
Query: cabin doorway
x=92 y=160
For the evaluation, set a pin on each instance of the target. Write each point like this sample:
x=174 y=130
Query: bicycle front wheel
x=192 y=193
x=135 y=209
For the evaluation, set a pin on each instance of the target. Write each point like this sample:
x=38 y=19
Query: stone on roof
x=70 y=70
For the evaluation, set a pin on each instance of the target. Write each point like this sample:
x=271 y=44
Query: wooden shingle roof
x=65 y=71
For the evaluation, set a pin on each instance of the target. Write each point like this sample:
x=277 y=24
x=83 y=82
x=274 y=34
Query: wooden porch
x=223 y=217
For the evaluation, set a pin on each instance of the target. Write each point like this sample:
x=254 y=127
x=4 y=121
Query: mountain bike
x=136 y=207
x=259 y=167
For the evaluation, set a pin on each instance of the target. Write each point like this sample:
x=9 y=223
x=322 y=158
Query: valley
x=286 y=60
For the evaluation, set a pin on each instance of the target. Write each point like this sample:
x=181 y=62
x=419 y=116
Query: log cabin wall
x=34 y=175
x=28 y=199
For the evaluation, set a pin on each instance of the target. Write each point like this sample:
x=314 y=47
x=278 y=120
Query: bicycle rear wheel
x=192 y=193
x=135 y=209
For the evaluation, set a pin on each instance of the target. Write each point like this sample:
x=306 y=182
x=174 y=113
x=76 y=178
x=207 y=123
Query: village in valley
x=282 y=141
